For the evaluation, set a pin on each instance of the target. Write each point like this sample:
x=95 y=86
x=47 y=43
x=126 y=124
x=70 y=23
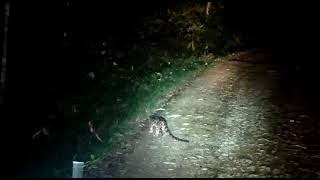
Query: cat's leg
x=157 y=131
x=151 y=128
x=163 y=129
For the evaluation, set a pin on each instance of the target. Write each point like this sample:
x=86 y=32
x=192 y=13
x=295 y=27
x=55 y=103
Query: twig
x=92 y=130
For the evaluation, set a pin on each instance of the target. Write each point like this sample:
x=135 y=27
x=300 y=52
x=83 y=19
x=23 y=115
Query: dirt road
x=240 y=123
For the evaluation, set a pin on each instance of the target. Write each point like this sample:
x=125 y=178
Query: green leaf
x=92 y=156
x=189 y=45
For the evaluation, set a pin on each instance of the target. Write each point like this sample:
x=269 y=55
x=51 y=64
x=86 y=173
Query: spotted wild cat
x=159 y=126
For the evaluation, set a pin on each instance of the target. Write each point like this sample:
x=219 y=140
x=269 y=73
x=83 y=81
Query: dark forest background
x=44 y=66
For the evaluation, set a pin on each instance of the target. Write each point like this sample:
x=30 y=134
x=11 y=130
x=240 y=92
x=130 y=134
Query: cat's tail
x=179 y=139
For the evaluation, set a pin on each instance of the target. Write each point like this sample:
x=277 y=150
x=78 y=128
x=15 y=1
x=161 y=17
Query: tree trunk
x=5 y=39
x=208 y=7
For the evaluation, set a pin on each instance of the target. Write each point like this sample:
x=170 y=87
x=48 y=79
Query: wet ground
x=240 y=120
